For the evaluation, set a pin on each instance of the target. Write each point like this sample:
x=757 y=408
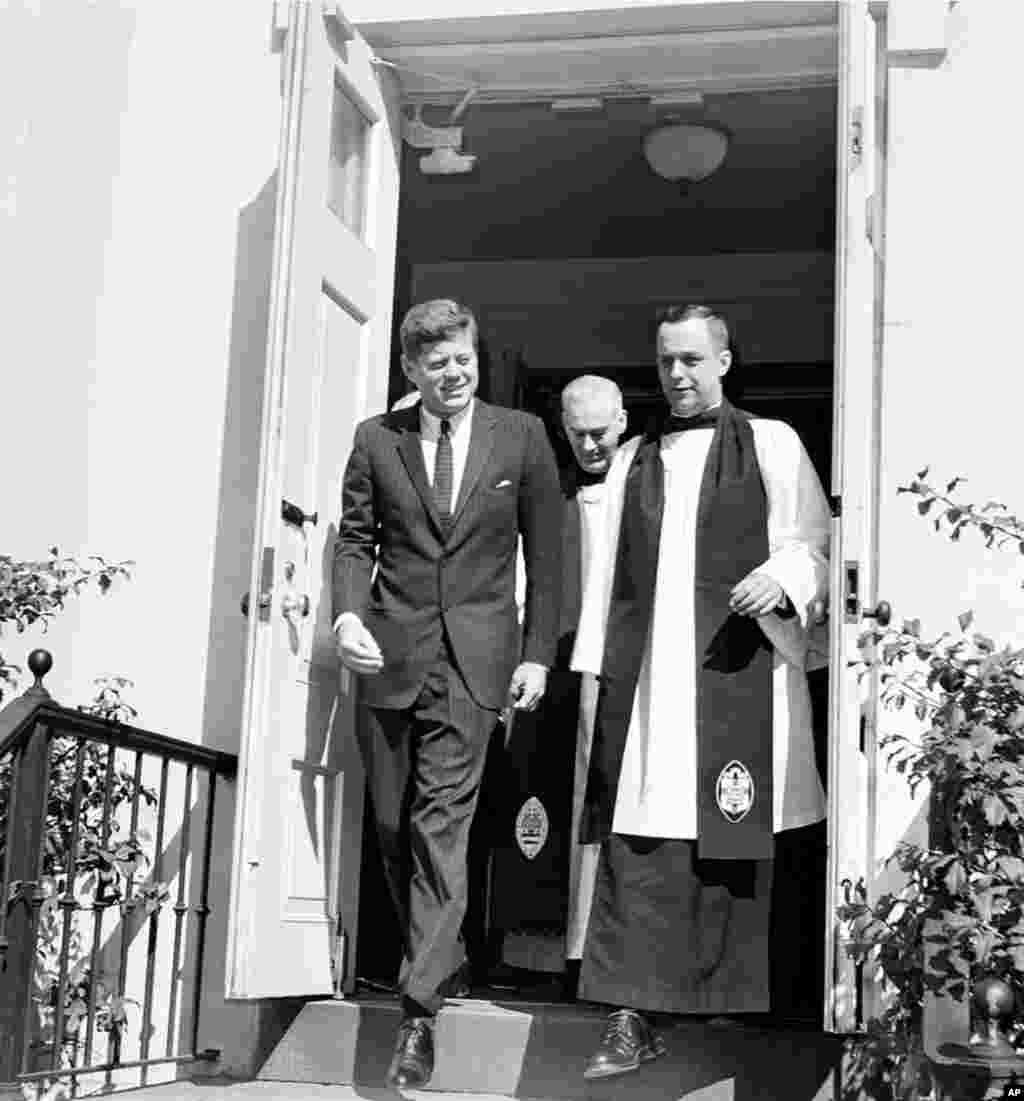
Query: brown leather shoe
x=413 y=1061
x=627 y=1042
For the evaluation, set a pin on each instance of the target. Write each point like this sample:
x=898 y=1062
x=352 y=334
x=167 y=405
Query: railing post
x=959 y=1067
x=26 y=821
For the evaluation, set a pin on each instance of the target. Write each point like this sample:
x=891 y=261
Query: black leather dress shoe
x=413 y=1061
x=627 y=1042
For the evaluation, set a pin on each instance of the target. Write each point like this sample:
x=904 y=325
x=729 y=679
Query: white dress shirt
x=430 y=432
x=583 y=859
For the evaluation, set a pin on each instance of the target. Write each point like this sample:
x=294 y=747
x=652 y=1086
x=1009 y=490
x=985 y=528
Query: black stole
x=734 y=674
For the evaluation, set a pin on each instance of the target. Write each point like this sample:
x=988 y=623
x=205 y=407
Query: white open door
x=299 y=815
x=852 y=777
x=870 y=807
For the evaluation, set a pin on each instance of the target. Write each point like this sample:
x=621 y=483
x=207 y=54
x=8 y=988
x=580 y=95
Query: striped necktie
x=443 y=473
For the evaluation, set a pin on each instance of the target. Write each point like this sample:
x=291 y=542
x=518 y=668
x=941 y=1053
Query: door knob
x=264 y=602
x=881 y=613
x=294 y=514
x=294 y=606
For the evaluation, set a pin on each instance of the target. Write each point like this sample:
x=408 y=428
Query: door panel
x=299 y=815
x=852 y=773
x=871 y=810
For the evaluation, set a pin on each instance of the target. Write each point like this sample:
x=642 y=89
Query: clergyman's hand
x=756 y=595
x=527 y=686
x=357 y=648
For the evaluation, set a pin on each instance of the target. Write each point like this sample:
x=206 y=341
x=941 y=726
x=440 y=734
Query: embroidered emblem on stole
x=734 y=791
x=531 y=827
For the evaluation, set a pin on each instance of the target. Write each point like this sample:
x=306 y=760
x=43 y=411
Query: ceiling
x=549 y=185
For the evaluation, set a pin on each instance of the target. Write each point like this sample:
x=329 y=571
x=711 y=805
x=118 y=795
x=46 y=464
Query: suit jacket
x=408 y=581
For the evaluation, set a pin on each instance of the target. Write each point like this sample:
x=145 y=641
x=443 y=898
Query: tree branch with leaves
x=960 y=914
x=34 y=592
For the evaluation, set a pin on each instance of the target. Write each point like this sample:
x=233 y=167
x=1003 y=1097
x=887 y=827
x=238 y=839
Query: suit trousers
x=424 y=766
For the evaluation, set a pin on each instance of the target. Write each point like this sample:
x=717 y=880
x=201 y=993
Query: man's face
x=593 y=426
x=446 y=374
x=690 y=366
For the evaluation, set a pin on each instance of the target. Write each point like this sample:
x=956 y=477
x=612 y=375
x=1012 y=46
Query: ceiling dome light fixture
x=685 y=151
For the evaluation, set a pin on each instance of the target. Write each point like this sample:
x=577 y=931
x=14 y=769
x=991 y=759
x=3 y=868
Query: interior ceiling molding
x=389 y=23
x=541 y=93
x=627 y=66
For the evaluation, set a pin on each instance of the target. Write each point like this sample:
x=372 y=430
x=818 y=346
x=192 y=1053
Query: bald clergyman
x=702 y=772
x=593 y=419
x=543 y=922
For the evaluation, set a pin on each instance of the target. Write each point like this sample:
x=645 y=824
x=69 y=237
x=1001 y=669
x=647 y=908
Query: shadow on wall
x=244 y=1037
x=239 y=474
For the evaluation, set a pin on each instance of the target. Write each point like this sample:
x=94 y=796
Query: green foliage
x=959 y=914
x=34 y=592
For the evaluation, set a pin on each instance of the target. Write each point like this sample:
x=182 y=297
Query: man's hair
x=717 y=327
x=590 y=387
x=431 y=322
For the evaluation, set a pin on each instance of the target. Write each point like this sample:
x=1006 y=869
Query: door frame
x=427 y=47
x=472 y=45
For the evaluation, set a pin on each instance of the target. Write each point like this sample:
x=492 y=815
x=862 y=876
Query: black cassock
x=530 y=787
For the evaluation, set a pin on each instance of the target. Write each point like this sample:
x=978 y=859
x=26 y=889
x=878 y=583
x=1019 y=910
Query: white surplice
x=657 y=792
x=583 y=858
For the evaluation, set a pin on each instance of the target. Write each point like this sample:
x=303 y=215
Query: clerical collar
x=708 y=418
x=588 y=477
x=431 y=422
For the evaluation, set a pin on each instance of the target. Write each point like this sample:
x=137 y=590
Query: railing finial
x=40 y=662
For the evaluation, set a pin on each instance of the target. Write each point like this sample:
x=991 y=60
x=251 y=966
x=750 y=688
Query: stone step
x=538 y=1050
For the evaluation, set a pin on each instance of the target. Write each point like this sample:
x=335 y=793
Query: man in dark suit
x=435 y=499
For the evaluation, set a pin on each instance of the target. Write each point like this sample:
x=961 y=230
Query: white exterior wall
x=952 y=391
x=138 y=143
x=141 y=135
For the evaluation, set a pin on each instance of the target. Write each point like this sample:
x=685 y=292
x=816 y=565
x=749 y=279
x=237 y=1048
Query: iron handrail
x=30 y=727
x=72 y=723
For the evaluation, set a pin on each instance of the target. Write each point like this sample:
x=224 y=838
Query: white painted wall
x=138 y=143
x=952 y=387
x=136 y=151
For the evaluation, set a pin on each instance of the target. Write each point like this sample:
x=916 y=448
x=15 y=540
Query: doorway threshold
x=497 y=1048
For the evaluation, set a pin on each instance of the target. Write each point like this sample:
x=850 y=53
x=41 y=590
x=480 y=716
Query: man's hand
x=527 y=686
x=756 y=595
x=357 y=648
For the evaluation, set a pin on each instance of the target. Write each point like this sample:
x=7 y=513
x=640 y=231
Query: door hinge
x=873 y=223
x=856 y=137
x=851 y=591
x=835 y=504
x=279 y=21
x=266 y=583
x=339 y=959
